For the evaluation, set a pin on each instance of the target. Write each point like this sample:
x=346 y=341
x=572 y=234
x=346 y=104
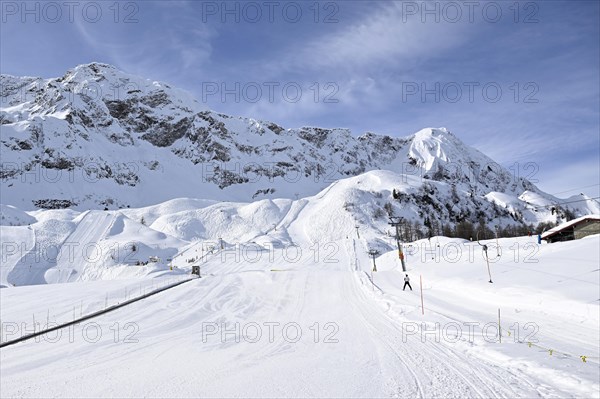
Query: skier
x=406 y=282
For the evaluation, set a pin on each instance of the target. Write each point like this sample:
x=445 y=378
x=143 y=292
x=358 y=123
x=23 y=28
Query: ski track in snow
x=71 y=262
x=442 y=372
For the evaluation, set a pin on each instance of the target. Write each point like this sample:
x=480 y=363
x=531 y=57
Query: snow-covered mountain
x=100 y=138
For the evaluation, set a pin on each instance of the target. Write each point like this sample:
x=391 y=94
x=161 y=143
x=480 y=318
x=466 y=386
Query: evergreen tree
x=447 y=231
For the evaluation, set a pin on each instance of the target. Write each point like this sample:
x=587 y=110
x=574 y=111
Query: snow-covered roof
x=568 y=224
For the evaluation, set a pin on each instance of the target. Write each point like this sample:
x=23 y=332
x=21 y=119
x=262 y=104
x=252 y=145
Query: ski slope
x=77 y=250
x=307 y=321
x=22 y=241
x=66 y=246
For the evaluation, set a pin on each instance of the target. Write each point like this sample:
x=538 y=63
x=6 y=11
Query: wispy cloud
x=166 y=53
x=368 y=56
x=383 y=38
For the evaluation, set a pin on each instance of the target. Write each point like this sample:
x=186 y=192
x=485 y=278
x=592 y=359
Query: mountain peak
x=431 y=147
x=95 y=71
x=97 y=67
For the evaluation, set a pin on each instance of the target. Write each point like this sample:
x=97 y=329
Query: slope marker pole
x=422 y=306
x=499 y=328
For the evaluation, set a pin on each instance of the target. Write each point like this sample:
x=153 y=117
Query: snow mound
x=13 y=216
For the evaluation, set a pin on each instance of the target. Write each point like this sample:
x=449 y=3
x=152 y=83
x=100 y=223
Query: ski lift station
x=574 y=229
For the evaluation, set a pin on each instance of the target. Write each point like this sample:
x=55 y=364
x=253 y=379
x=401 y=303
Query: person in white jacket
x=406 y=282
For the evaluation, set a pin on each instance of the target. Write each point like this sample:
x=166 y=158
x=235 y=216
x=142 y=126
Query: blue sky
x=519 y=81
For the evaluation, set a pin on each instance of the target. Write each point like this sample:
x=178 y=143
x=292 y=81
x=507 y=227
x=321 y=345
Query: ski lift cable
x=581 y=200
x=576 y=189
x=563 y=203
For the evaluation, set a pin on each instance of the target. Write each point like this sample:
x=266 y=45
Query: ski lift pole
x=487 y=259
x=395 y=222
x=373 y=253
x=401 y=256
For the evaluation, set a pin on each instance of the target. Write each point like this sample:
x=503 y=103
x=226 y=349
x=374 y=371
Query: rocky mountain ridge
x=100 y=138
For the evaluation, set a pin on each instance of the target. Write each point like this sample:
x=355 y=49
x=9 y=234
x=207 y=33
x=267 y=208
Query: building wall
x=565 y=235
x=587 y=228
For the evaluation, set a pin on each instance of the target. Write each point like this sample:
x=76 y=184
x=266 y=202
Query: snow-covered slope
x=66 y=245
x=274 y=324
x=12 y=216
